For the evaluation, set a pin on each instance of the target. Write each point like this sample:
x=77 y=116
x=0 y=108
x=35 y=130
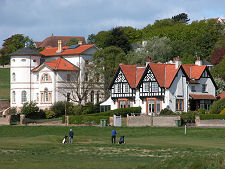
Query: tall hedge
x=211 y=116
x=85 y=119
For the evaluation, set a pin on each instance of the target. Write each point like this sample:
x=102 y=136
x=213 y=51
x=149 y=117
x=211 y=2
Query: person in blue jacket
x=113 y=136
x=71 y=136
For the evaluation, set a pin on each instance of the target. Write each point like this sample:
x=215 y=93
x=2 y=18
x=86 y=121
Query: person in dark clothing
x=71 y=136
x=113 y=136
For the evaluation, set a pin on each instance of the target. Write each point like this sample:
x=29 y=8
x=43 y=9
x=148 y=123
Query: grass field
x=146 y=147
x=4 y=83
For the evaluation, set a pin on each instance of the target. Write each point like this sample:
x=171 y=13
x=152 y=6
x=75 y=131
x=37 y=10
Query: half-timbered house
x=157 y=86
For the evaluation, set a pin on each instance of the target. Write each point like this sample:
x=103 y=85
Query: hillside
x=4 y=83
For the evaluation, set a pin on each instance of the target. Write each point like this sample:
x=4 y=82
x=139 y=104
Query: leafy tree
x=106 y=62
x=91 y=39
x=101 y=38
x=133 y=35
x=218 y=55
x=73 y=41
x=188 y=58
x=219 y=70
x=119 y=39
x=220 y=84
x=183 y=17
x=14 y=43
x=158 y=49
x=31 y=110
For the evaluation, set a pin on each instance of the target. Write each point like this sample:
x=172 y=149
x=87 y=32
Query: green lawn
x=146 y=147
x=4 y=83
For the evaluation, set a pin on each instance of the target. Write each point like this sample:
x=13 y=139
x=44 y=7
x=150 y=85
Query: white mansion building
x=179 y=87
x=45 y=77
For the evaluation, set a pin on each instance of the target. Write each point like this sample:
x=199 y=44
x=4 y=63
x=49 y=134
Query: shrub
x=188 y=117
x=12 y=111
x=217 y=106
x=59 y=108
x=76 y=110
x=201 y=111
x=121 y=111
x=30 y=110
x=223 y=111
x=211 y=116
x=166 y=112
x=49 y=114
x=90 y=108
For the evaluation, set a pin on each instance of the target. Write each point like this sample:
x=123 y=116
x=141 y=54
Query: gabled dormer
x=149 y=85
x=123 y=84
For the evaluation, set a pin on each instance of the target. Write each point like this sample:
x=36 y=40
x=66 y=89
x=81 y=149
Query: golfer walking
x=113 y=136
x=71 y=136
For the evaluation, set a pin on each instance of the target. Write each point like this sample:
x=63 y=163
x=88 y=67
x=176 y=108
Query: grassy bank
x=146 y=147
x=4 y=83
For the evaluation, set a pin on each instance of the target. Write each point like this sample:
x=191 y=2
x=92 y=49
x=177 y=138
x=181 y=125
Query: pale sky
x=38 y=19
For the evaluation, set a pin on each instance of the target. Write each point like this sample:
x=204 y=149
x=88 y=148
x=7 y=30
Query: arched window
x=46 y=95
x=13 y=96
x=13 y=77
x=24 y=96
x=92 y=96
x=97 y=96
x=45 y=78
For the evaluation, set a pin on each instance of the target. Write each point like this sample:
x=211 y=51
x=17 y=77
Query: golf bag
x=122 y=141
x=64 y=140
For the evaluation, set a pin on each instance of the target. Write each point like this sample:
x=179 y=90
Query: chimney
x=80 y=42
x=59 y=46
x=149 y=59
x=198 y=61
x=177 y=62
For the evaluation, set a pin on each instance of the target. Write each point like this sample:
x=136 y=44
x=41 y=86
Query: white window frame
x=155 y=87
x=23 y=96
x=146 y=86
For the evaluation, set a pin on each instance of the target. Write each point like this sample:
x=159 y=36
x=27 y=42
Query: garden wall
x=5 y=120
x=4 y=104
x=209 y=123
x=162 y=121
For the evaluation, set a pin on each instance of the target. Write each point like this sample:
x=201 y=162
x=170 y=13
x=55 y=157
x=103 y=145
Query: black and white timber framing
x=121 y=87
x=149 y=86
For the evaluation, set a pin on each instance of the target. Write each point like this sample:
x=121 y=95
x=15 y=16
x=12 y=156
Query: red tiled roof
x=133 y=73
x=193 y=71
x=202 y=97
x=52 y=41
x=130 y=74
x=66 y=51
x=221 y=95
x=59 y=64
x=140 y=71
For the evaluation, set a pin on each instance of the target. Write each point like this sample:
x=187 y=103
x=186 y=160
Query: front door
x=151 y=107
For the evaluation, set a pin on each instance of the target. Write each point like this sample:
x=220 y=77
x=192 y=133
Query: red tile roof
x=193 y=71
x=66 y=51
x=202 y=97
x=132 y=73
x=164 y=73
x=221 y=95
x=59 y=64
x=52 y=41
